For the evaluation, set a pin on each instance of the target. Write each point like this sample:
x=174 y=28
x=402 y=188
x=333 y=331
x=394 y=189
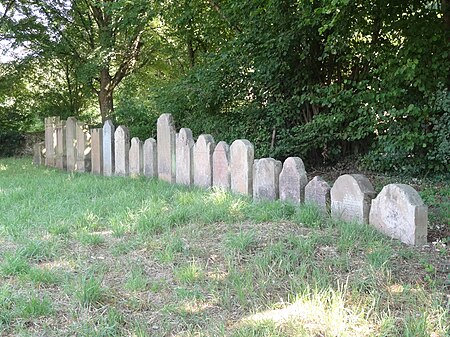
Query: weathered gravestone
x=108 y=148
x=293 y=180
x=185 y=160
x=166 y=137
x=136 y=157
x=38 y=153
x=241 y=162
x=351 y=196
x=317 y=192
x=121 y=150
x=71 y=143
x=266 y=173
x=83 y=148
x=150 y=158
x=399 y=212
x=60 y=156
x=202 y=153
x=221 y=166
x=50 y=140
x=97 y=151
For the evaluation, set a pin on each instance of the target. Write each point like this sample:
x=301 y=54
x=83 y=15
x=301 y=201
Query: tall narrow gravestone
x=97 y=151
x=317 y=192
x=266 y=173
x=351 y=196
x=71 y=143
x=150 y=158
x=293 y=181
x=50 y=140
x=184 y=154
x=166 y=136
x=83 y=148
x=60 y=157
x=38 y=153
x=136 y=157
x=399 y=212
x=121 y=150
x=241 y=166
x=221 y=166
x=203 y=150
x=108 y=148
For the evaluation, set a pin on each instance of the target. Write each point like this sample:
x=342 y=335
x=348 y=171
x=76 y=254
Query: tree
x=103 y=41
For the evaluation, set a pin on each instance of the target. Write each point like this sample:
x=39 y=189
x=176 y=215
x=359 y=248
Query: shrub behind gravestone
x=11 y=142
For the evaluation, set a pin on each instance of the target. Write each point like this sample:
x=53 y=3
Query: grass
x=94 y=256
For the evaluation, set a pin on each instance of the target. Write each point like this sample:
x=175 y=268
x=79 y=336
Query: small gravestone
x=293 y=181
x=241 y=166
x=83 y=163
x=38 y=153
x=221 y=166
x=351 y=196
x=166 y=137
x=50 y=140
x=108 y=148
x=96 y=151
x=71 y=142
x=150 y=158
x=266 y=173
x=136 y=157
x=399 y=212
x=317 y=192
x=60 y=157
x=121 y=150
x=202 y=154
x=184 y=154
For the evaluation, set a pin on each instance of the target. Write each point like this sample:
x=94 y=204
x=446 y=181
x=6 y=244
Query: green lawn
x=93 y=256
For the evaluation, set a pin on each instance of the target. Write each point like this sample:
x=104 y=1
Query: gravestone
x=221 y=166
x=241 y=166
x=150 y=158
x=60 y=157
x=266 y=173
x=83 y=147
x=108 y=148
x=121 y=150
x=184 y=154
x=351 y=196
x=293 y=181
x=50 y=140
x=38 y=153
x=97 y=151
x=71 y=143
x=166 y=137
x=317 y=192
x=202 y=154
x=399 y=212
x=136 y=157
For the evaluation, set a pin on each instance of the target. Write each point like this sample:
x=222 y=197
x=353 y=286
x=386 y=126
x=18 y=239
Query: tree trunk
x=105 y=95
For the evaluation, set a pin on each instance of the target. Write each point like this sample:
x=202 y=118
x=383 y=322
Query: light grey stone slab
x=60 y=155
x=317 y=192
x=108 y=148
x=293 y=180
x=136 y=157
x=71 y=143
x=221 y=166
x=241 y=166
x=351 y=196
x=97 y=151
x=266 y=173
x=50 y=140
x=166 y=138
x=38 y=153
x=121 y=151
x=185 y=157
x=399 y=212
x=150 y=158
x=202 y=152
x=83 y=148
